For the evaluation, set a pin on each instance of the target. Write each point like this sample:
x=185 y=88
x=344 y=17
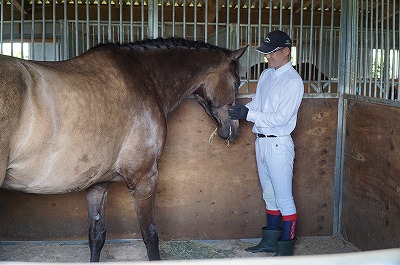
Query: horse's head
x=217 y=93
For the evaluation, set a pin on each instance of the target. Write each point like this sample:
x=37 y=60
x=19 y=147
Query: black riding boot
x=268 y=241
x=285 y=248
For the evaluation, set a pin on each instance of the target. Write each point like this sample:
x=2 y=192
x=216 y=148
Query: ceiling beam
x=18 y=7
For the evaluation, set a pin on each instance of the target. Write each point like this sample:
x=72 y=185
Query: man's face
x=278 y=58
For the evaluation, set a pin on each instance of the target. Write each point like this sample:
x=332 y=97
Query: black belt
x=260 y=135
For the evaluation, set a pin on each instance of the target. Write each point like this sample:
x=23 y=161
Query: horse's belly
x=50 y=156
x=56 y=174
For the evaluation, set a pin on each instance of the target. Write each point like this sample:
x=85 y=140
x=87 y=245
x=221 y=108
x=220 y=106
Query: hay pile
x=186 y=250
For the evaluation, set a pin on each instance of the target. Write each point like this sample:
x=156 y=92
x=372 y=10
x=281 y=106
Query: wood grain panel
x=371 y=193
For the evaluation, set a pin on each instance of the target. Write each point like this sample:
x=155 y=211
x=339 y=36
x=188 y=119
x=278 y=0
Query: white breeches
x=275 y=158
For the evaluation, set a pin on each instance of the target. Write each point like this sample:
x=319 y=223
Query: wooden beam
x=18 y=7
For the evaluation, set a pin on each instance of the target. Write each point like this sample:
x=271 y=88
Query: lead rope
x=212 y=136
x=229 y=136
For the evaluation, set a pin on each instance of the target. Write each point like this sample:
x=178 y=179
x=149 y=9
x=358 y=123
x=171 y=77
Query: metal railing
x=316 y=45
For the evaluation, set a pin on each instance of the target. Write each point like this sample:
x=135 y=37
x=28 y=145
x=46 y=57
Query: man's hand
x=239 y=111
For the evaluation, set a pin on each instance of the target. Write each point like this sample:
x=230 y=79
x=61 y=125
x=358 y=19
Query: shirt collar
x=283 y=68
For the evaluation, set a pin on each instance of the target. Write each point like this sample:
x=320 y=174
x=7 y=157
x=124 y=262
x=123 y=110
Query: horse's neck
x=185 y=79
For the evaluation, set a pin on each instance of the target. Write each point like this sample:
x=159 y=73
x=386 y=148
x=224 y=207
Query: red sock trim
x=291 y=217
x=273 y=212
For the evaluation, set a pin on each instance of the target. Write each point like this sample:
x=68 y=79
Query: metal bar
x=155 y=19
x=206 y=22
x=87 y=29
x=387 y=51
x=320 y=45
x=162 y=19
x=248 y=39
x=12 y=28
x=360 y=69
x=348 y=43
x=365 y=51
x=98 y=22
x=355 y=51
x=142 y=20
x=83 y=40
x=227 y=24
x=371 y=44
x=22 y=27
x=394 y=57
x=121 y=28
x=216 y=21
x=300 y=48
x=238 y=29
x=32 y=57
x=331 y=44
x=54 y=31
x=44 y=30
x=259 y=38
x=76 y=28
x=1 y=25
x=184 y=19
x=195 y=20
x=398 y=53
x=109 y=33
x=173 y=18
x=65 y=33
x=280 y=14
x=311 y=47
x=376 y=49
x=291 y=19
x=271 y=7
x=381 y=48
x=150 y=18
x=131 y=21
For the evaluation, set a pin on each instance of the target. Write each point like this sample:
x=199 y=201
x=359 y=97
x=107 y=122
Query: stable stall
x=346 y=175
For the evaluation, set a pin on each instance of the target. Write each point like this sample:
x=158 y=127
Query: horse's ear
x=238 y=53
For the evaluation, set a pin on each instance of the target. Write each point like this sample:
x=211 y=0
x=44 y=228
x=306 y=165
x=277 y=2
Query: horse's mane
x=161 y=43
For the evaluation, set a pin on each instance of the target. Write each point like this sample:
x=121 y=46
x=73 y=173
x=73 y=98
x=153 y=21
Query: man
x=273 y=110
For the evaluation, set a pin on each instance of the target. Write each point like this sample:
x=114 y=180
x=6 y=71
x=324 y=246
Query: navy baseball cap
x=275 y=40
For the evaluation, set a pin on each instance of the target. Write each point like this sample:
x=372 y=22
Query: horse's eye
x=237 y=85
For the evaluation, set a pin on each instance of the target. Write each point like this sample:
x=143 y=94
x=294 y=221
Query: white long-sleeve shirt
x=273 y=109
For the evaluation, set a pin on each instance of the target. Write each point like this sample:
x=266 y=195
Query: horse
x=101 y=117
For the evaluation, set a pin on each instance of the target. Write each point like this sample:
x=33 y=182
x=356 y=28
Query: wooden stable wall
x=371 y=187
x=206 y=191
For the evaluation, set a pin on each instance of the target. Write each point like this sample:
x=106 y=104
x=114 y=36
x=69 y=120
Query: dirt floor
x=134 y=250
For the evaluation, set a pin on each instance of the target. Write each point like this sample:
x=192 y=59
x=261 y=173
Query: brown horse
x=101 y=117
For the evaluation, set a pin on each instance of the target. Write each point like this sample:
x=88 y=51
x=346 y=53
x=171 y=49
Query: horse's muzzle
x=230 y=131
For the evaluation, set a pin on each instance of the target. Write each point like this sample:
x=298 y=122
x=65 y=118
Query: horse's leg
x=143 y=193
x=96 y=197
x=145 y=213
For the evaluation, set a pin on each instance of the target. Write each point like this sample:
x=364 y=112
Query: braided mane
x=161 y=43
